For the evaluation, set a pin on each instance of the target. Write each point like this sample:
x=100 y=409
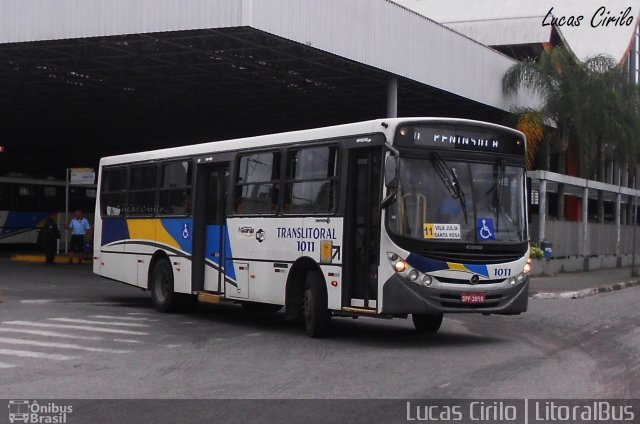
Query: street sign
x=82 y=176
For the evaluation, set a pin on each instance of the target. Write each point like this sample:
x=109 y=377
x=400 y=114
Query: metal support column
x=392 y=98
x=542 y=214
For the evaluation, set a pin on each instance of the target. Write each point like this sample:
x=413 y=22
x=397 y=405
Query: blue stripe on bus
x=431 y=265
x=423 y=264
x=212 y=246
x=114 y=229
x=19 y=221
x=180 y=229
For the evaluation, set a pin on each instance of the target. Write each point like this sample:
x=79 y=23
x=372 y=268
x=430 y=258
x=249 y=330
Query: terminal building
x=82 y=80
x=79 y=80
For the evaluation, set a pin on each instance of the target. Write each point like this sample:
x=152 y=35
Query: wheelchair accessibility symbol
x=486 y=229
x=185 y=231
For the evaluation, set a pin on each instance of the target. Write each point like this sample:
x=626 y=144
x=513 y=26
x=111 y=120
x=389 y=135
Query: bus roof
x=383 y=126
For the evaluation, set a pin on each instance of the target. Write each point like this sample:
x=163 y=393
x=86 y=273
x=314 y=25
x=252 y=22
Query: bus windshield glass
x=456 y=201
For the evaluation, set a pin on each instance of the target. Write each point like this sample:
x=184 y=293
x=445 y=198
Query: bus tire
x=161 y=285
x=424 y=323
x=314 y=306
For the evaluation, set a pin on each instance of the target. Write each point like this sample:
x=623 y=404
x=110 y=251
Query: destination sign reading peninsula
x=461 y=138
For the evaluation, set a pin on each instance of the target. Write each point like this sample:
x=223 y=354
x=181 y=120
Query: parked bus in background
x=26 y=202
x=385 y=218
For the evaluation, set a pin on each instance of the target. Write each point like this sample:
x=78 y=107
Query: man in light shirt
x=79 y=227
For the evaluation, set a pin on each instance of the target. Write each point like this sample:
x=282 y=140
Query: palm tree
x=531 y=123
x=591 y=104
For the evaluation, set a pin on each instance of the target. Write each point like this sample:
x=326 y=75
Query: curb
x=586 y=292
x=60 y=259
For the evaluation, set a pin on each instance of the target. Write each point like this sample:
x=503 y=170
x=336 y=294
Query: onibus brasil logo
x=25 y=411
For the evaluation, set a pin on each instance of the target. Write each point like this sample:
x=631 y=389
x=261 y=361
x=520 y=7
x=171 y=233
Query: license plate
x=473 y=297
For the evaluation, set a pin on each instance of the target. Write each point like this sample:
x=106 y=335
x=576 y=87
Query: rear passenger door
x=211 y=245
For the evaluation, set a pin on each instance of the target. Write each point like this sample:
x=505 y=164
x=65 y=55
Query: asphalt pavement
x=580 y=284
x=573 y=284
x=66 y=333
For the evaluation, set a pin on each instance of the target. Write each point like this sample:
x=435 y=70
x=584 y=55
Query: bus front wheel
x=314 y=306
x=426 y=323
x=162 y=294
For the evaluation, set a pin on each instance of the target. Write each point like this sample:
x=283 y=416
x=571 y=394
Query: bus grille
x=471 y=258
x=462 y=281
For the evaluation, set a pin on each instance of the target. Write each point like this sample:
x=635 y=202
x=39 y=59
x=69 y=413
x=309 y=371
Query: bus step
x=359 y=310
x=209 y=297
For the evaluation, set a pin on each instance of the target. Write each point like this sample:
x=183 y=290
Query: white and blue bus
x=26 y=202
x=385 y=218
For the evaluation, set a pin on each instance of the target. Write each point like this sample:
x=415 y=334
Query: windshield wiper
x=498 y=189
x=450 y=181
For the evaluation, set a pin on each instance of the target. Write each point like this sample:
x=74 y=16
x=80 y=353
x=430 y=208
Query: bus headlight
x=517 y=279
x=400 y=266
x=527 y=267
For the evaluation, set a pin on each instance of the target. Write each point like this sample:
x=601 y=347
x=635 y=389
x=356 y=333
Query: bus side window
x=175 y=188
x=142 y=190
x=50 y=198
x=256 y=188
x=26 y=198
x=113 y=191
x=311 y=181
x=6 y=195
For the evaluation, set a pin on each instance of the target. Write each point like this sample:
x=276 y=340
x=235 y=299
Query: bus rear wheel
x=162 y=294
x=314 y=306
x=424 y=323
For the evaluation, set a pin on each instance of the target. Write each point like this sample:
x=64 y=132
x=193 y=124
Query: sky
x=585 y=40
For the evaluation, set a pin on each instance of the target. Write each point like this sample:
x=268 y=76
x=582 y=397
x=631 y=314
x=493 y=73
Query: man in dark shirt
x=49 y=235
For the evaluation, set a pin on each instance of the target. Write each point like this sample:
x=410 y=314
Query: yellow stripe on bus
x=142 y=229
x=150 y=229
x=457 y=267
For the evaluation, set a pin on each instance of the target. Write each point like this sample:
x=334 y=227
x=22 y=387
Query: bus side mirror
x=529 y=197
x=390 y=171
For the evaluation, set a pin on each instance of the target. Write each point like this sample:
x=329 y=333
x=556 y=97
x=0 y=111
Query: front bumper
x=404 y=297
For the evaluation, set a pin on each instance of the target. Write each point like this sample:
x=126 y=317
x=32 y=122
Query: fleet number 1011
x=502 y=272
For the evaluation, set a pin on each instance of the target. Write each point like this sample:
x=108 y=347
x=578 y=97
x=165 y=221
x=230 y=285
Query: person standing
x=49 y=236
x=79 y=227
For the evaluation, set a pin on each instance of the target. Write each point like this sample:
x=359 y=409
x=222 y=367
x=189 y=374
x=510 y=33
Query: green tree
x=590 y=108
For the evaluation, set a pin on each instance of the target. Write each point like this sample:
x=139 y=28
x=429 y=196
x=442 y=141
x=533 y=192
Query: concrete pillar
x=392 y=98
x=618 y=223
x=625 y=175
x=542 y=207
x=585 y=227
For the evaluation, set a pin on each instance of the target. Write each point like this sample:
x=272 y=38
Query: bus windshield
x=456 y=201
